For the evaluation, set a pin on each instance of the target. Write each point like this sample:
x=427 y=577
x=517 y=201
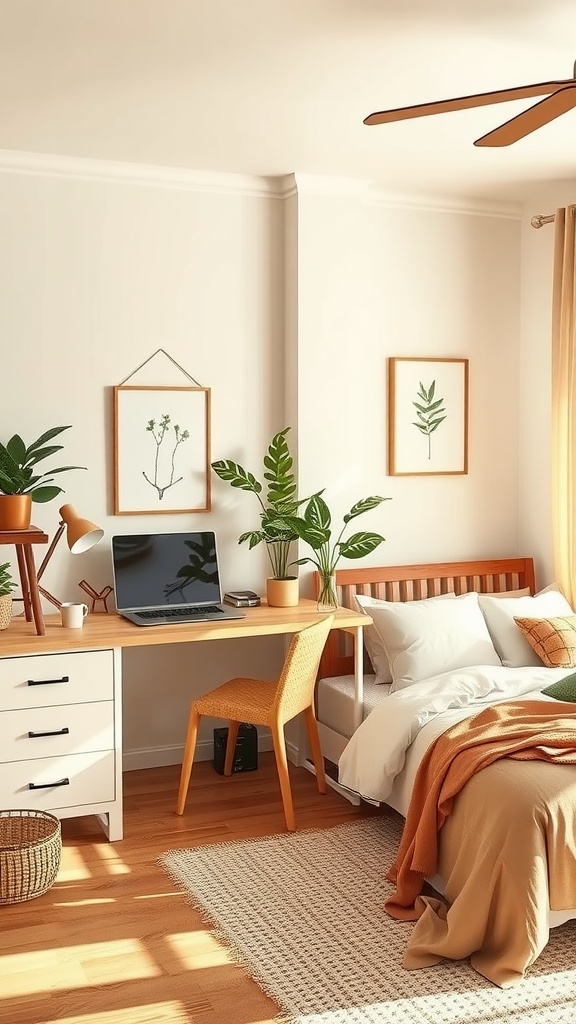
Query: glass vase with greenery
x=315 y=529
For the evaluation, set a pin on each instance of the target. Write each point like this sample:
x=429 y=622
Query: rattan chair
x=260 y=702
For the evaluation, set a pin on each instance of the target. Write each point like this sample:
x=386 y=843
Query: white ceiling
x=269 y=87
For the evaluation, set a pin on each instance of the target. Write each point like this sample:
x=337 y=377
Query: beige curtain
x=563 y=402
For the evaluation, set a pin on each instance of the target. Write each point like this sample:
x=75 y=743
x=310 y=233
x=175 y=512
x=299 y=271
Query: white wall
x=377 y=281
x=286 y=300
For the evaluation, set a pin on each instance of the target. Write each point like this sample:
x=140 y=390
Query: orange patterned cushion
x=553 y=640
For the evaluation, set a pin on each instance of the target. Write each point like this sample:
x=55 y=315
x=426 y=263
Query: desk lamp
x=81 y=535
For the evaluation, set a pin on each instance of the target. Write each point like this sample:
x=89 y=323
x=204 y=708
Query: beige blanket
x=507 y=849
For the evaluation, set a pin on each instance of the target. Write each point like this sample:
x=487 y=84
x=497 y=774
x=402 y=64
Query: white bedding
x=381 y=759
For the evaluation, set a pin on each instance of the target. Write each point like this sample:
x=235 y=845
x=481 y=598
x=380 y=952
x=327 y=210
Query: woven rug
x=303 y=914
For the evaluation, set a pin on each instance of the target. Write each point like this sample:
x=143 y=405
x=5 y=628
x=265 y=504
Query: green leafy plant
x=315 y=529
x=277 y=498
x=18 y=462
x=7 y=584
x=429 y=412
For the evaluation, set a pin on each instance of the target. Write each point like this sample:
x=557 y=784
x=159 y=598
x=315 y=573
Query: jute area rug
x=303 y=914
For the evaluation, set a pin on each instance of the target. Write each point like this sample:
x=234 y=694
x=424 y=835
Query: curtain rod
x=540 y=220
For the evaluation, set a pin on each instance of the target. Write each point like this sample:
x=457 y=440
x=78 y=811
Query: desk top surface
x=103 y=630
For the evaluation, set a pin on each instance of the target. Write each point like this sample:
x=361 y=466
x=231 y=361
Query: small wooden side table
x=23 y=541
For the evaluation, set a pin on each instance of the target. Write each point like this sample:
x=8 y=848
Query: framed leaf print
x=427 y=416
x=161 y=450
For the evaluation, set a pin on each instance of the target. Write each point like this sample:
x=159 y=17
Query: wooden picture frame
x=161 y=450
x=427 y=416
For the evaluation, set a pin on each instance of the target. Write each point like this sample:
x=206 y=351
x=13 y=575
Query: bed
x=517 y=889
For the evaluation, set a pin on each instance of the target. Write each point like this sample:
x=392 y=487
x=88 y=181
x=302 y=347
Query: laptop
x=163 y=578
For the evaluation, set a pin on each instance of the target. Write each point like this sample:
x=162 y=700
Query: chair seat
x=240 y=700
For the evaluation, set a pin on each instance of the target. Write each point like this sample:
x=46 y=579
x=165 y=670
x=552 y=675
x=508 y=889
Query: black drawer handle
x=48 y=785
x=46 y=682
x=56 y=732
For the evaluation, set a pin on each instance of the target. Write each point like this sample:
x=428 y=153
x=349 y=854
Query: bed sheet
x=335 y=701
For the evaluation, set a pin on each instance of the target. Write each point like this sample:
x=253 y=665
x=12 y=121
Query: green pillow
x=563 y=689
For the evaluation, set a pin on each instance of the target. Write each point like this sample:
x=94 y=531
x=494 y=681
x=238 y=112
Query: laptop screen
x=165 y=569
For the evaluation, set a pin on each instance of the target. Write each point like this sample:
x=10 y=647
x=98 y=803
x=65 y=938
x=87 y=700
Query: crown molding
x=112 y=171
x=224 y=183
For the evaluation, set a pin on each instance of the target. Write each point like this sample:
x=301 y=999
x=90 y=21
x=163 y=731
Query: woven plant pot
x=5 y=610
x=30 y=850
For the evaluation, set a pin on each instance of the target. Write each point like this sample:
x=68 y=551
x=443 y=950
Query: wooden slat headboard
x=413 y=583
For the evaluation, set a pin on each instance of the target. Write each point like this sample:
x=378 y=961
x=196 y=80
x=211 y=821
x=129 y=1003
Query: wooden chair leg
x=230 y=746
x=315 y=748
x=282 y=766
x=187 y=760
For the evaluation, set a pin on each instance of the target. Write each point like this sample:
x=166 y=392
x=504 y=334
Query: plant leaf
x=360 y=544
x=53 y=432
x=236 y=475
x=364 y=506
x=42 y=494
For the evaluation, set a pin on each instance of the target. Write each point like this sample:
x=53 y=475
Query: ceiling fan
x=561 y=97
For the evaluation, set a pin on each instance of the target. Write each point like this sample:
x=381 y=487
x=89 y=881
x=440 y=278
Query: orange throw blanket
x=523 y=730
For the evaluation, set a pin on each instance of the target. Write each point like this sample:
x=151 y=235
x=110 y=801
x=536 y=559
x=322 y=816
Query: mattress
x=335 y=701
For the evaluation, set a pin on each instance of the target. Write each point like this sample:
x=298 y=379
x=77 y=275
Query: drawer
x=47 y=679
x=77 y=728
x=90 y=781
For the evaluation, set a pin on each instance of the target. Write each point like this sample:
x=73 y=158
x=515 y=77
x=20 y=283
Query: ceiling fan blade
x=465 y=102
x=529 y=120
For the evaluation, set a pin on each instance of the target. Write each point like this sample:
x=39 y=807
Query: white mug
x=73 y=615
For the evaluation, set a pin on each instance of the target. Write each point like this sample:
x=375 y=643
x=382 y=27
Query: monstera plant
x=276 y=497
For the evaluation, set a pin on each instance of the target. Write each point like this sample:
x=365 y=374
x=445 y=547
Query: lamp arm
x=50 y=551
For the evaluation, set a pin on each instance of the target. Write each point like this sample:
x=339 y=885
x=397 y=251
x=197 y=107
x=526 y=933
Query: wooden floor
x=113 y=941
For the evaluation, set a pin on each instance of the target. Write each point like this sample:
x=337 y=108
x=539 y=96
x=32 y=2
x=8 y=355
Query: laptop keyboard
x=180 y=613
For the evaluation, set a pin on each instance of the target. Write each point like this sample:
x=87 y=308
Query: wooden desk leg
x=24 y=582
x=34 y=595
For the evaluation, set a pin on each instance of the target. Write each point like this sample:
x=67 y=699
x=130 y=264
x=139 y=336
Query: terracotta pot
x=15 y=511
x=282 y=593
x=5 y=610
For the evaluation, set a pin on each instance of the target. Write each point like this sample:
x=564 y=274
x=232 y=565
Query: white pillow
x=499 y=612
x=422 y=638
x=372 y=639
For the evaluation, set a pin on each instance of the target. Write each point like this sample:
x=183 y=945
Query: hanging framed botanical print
x=427 y=416
x=161 y=450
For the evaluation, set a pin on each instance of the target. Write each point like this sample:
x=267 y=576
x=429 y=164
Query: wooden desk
x=23 y=541
x=61 y=702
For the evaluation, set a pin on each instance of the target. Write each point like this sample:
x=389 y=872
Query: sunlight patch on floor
x=73 y=866
x=67 y=967
x=196 y=950
x=112 y=859
x=169 y=1012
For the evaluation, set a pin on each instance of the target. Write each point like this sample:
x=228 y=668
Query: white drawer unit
x=60 y=735
x=44 y=679
x=64 y=785
x=62 y=729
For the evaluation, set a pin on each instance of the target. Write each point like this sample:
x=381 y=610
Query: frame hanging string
x=168 y=356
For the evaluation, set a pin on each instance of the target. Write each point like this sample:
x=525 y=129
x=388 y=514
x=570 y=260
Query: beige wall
x=285 y=298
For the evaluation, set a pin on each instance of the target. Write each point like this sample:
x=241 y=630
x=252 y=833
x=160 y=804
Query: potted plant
x=6 y=587
x=21 y=484
x=315 y=529
x=277 y=504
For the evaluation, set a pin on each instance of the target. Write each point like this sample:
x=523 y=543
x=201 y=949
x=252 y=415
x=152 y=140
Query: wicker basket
x=30 y=849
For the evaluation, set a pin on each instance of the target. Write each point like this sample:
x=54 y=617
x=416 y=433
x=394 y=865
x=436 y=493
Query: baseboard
x=158 y=757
